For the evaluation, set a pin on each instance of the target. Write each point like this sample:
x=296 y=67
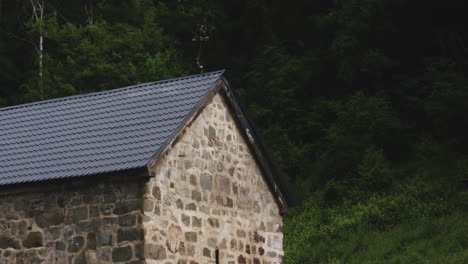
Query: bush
x=386 y=226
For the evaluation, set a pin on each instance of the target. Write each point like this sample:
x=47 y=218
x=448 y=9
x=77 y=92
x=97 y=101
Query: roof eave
x=24 y=186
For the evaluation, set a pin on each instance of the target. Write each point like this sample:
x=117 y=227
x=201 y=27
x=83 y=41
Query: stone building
x=165 y=172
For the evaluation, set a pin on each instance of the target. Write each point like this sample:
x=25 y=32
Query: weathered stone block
x=261 y=251
x=191 y=207
x=92 y=258
x=196 y=195
x=19 y=229
x=127 y=220
x=245 y=190
x=140 y=251
x=190 y=250
x=109 y=198
x=185 y=219
x=51 y=218
x=88 y=198
x=225 y=185
x=7 y=242
x=87 y=226
x=79 y=213
x=157 y=192
x=110 y=221
x=241 y=260
x=191 y=236
x=107 y=209
x=53 y=233
x=173 y=242
x=219 y=166
x=126 y=207
x=206 y=181
x=233 y=244
x=196 y=222
x=258 y=238
x=93 y=211
x=212 y=242
x=33 y=239
x=182 y=251
x=235 y=189
x=211 y=132
x=229 y=202
x=76 y=201
x=106 y=237
x=29 y=256
x=155 y=252
x=187 y=164
x=75 y=244
x=121 y=254
x=206 y=252
x=223 y=244
x=104 y=254
x=59 y=245
x=157 y=210
x=148 y=205
x=91 y=241
x=129 y=234
x=213 y=222
x=179 y=204
x=81 y=259
x=205 y=154
x=193 y=180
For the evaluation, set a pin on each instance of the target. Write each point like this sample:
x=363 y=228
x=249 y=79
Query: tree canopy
x=363 y=102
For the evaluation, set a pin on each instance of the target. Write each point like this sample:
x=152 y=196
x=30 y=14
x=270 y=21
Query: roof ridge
x=59 y=99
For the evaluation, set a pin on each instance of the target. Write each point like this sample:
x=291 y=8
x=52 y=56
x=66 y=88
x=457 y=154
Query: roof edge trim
x=103 y=92
x=264 y=161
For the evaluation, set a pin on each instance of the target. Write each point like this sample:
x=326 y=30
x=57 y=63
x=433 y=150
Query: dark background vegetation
x=364 y=103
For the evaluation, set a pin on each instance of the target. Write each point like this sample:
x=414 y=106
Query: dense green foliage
x=363 y=102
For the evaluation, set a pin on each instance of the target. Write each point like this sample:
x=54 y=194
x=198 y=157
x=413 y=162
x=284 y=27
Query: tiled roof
x=98 y=132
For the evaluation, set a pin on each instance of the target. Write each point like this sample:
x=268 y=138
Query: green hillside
x=408 y=226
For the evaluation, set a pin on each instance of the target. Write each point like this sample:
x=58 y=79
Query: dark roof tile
x=95 y=133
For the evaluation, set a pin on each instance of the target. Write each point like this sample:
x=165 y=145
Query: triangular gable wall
x=222 y=88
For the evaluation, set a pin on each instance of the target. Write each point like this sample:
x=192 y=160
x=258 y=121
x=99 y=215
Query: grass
x=419 y=223
x=438 y=240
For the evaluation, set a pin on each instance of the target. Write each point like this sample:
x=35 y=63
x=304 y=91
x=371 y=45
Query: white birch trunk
x=38 y=15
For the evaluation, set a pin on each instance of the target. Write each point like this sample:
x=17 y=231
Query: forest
x=363 y=103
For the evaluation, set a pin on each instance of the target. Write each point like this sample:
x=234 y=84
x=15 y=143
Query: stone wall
x=72 y=223
x=208 y=196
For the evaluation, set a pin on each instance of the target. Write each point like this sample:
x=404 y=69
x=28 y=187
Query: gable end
x=265 y=163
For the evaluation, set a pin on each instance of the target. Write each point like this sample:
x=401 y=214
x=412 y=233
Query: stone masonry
x=89 y=222
x=208 y=195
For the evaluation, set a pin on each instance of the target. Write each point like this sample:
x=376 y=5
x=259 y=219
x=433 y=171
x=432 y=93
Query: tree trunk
x=89 y=10
x=38 y=15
